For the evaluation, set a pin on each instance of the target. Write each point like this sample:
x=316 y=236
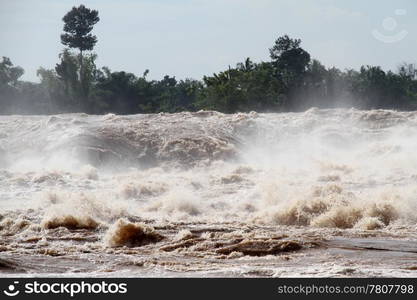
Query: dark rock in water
x=7 y=265
x=183 y=244
x=261 y=247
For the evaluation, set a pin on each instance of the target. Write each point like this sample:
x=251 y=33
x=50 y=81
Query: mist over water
x=209 y=194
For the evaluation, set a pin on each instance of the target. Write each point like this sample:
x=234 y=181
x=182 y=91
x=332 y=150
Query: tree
x=67 y=71
x=407 y=70
x=54 y=88
x=79 y=22
x=282 y=44
x=9 y=76
x=116 y=92
x=290 y=62
x=248 y=86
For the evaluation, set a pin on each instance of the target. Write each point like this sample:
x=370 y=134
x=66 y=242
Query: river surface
x=323 y=193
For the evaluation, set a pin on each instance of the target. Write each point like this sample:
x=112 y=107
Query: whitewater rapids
x=318 y=193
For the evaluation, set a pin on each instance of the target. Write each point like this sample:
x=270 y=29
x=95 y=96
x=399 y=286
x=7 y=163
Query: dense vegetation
x=290 y=81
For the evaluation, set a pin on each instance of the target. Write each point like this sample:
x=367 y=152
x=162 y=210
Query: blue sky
x=192 y=38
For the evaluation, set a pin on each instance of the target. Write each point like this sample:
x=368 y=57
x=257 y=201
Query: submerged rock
x=261 y=247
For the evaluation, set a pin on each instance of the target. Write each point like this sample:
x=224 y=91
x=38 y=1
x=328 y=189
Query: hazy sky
x=191 y=38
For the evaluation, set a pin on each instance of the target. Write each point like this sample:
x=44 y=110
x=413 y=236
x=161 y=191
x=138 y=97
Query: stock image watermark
x=62 y=288
x=12 y=290
x=391 y=33
x=364 y=289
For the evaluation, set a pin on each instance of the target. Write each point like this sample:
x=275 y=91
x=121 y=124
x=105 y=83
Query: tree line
x=290 y=81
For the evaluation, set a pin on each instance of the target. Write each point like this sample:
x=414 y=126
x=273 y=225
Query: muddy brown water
x=319 y=193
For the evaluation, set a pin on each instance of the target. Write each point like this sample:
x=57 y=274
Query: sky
x=193 y=38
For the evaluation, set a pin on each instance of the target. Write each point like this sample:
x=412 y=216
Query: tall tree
x=79 y=23
x=290 y=62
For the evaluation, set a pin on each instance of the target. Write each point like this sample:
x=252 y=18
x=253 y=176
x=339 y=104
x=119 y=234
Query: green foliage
x=283 y=44
x=9 y=76
x=67 y=72
x=116 y=92
x=290 y=63
x=291 y=81
x=247 y=87
x=63 y=85
x=79 y=22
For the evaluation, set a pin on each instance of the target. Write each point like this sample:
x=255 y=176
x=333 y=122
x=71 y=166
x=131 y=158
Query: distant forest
x=290 y=81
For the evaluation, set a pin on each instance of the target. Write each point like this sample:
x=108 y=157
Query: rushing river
x=319 y=193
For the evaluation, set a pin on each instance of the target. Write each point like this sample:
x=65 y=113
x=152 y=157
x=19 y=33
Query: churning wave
x=331 y=168
x=194 y=181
